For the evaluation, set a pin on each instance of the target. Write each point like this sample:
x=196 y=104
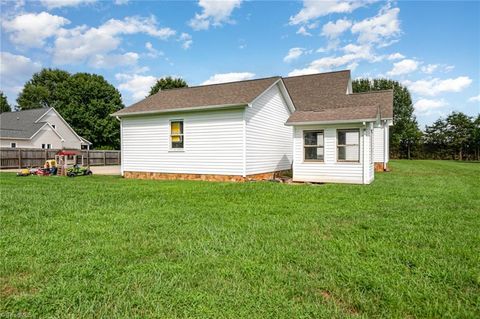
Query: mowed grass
x=407 y=246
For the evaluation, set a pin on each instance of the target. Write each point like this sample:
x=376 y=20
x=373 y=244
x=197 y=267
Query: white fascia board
x=180 y=110
x=287 y=97
x=330 y=122
x=47 y=124
x=65 y=122
x=255 y=99
x=283 y=91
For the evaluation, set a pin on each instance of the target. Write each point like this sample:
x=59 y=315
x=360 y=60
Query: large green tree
x=405 y=134
x=475 y=138
x=84 y=100
x=167 y=83
x=4 y=106
x=460 y=129
x=43 y=90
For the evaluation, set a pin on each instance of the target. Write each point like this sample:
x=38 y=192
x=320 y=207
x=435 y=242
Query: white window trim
x=336 y=146
x=170 y=148
x=303 y=146
x=13 y=145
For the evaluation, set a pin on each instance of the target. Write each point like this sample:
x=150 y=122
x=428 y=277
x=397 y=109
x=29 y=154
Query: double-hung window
x=313 y=146
x=348 y=145
x=13 y=145
x=176 y=135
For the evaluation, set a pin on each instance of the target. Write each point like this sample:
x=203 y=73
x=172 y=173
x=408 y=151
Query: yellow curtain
x=175 y=128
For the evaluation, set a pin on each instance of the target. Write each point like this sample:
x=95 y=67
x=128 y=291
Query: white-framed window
x=47 y=146
x=176 y=135
x=43 y=146
x=313 y=146
x=348 y=145
x=13 y=145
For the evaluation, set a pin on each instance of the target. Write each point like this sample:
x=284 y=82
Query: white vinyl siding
x=213 y=143
x=331 y=170
x=268 y=141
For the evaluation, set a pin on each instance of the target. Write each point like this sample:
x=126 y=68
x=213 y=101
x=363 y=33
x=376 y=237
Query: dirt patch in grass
x=345 y=307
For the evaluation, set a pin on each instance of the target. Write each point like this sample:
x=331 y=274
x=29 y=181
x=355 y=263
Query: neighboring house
x=42 y=128
x=252 y=129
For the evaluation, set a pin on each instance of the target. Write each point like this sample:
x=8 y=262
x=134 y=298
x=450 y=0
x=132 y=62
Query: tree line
x=455 y=137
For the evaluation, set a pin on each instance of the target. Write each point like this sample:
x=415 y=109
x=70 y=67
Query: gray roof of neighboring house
x=232 y=93
x=21 y=124
x=316 y=97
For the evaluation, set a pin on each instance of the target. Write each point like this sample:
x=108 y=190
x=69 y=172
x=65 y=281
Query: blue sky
x=431 y=46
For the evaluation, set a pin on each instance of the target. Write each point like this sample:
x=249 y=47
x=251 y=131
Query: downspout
x=385 y=141
x=363 y=153
x=121 y=144
x=244 y=146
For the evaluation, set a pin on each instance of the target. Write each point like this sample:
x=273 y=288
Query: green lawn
x=407 y=246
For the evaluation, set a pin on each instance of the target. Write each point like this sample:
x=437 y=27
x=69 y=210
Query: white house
x=42 y=128
x=255 y=129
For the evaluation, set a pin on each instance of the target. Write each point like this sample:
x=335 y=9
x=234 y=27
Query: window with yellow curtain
x=176 y=134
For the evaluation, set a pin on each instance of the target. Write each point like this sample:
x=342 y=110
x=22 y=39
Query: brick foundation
x=378 y=166
x=203 y=177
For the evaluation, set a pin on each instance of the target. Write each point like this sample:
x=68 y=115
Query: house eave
x=180 y=110
x=330 y=122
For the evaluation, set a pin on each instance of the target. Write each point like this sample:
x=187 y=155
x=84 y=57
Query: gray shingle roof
x=21 y=124
x=323 y=97
x=316 y=97
x=232 y=93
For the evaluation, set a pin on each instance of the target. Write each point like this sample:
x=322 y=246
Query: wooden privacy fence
x=22 y=158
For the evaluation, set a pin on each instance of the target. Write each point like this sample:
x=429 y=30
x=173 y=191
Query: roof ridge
x=28 y=110
x=296 y=76
x=204 y=85
x=373 y=91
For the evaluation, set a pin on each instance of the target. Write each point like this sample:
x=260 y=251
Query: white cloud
x=449 y=68
x=52 y=4
x=403 y=67
x=214 y=13
x=303 y=31
x=15 y=70
x=377 y=29
x=152 y=52
x=293 y=54
x=114 y=60
x=31 y=29
x=427 y=105
x=82 y=43
x=435 y=86
x=395 y=56
x=229 y=77
x=138 y=86
x=353 y=55
x=186 y=40
x=334 y=29
x=429 y=68
x=313 y=9
x=474 y=98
